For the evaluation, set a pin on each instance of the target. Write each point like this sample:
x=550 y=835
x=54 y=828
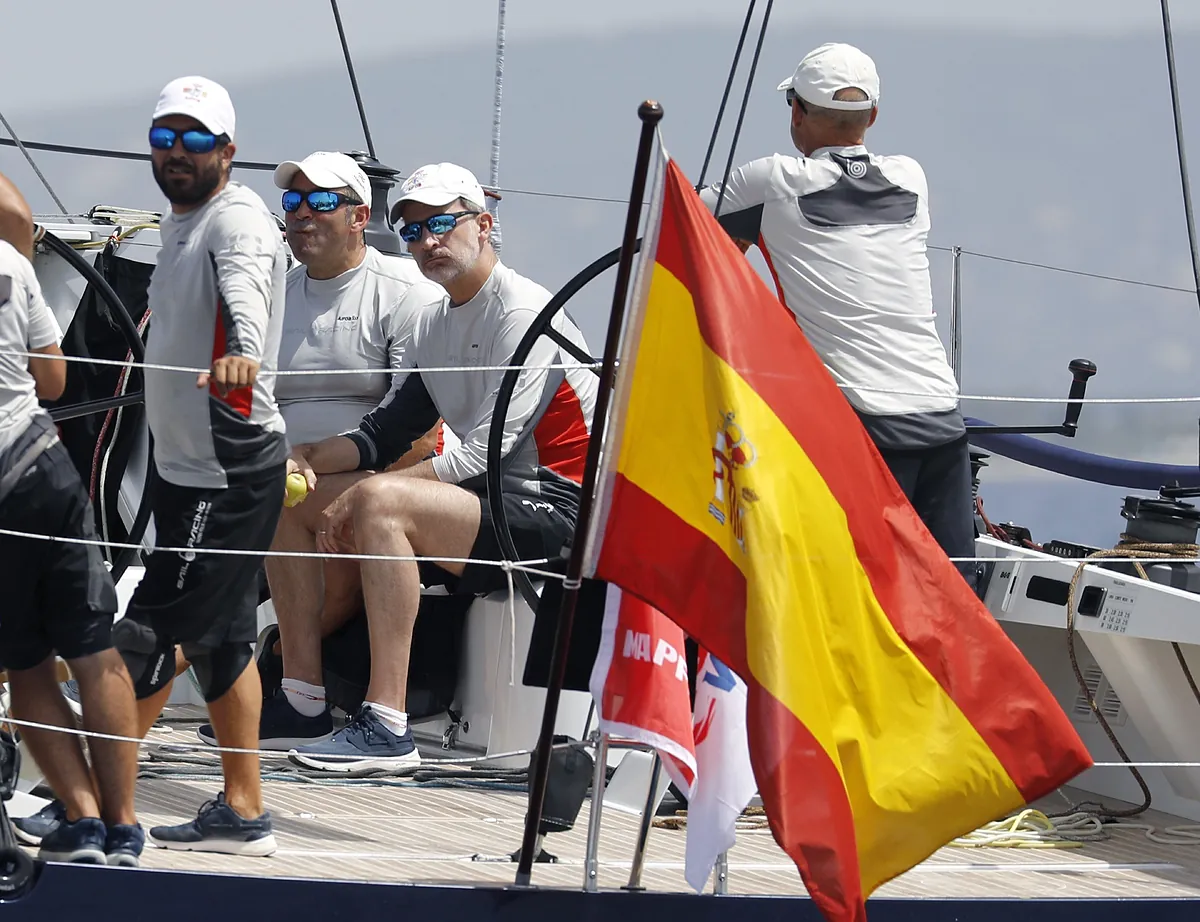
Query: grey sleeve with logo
x=243 y=246
x=388 y=431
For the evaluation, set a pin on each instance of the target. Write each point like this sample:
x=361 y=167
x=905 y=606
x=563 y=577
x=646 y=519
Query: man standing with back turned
x=219 y=450
x=843 y=231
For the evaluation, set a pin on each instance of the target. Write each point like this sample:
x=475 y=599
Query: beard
x=188 y=186
x=449 y=265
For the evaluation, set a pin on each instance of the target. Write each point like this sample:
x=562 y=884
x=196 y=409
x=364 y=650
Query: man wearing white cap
x=437 y=508
x=844 y=233
x=349 y=307
x=220 y=451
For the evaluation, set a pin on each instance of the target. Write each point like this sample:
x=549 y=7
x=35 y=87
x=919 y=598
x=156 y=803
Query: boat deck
x=406 y=831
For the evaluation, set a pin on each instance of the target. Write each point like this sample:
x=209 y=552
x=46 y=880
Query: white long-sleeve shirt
x=844 y=233
x=361 y=319
x=216 y=290
x=549 y=420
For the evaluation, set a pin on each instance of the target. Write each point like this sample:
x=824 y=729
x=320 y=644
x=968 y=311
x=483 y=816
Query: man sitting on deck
x=438 y=507
x=347 y=306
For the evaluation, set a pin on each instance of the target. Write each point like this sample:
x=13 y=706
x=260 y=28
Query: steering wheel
x=137 y=348
x=540 y=327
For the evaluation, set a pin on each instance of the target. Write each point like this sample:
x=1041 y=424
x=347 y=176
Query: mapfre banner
x=640 y=684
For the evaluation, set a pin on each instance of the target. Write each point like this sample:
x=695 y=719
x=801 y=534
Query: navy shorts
x=202 y=601
x=58 y=597
x=539 y=530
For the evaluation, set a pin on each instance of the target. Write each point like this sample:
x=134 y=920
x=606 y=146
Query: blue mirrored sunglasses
x=195 y=140
x=318 y=200
x=437 y=225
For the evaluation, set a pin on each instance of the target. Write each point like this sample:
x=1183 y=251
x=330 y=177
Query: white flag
x=724 y=779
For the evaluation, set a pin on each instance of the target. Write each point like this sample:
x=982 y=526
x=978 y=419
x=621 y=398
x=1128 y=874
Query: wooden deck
x=396 y=830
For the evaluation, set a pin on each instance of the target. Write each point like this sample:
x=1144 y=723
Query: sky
x=261 y=37
x=1045 y=130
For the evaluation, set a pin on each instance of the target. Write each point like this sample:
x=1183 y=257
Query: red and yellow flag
x=888 y=712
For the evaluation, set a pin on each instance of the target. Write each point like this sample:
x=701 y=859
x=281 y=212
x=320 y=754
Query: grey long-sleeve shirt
x=217 y=289
x=545 y=438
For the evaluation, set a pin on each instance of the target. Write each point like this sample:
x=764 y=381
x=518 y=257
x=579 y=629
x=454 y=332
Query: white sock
x=309 y=700
x=396 y=721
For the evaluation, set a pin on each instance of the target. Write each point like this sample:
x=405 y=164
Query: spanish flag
x=888 y=713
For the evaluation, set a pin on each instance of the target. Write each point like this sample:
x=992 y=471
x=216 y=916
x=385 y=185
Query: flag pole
x=650 y=113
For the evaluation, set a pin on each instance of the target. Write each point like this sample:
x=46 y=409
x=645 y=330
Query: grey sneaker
x=218 y=828
x=364 y=743
x=35 y=827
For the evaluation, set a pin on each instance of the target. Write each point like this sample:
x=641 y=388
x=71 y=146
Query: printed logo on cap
x=415 y=181
x=194 y=92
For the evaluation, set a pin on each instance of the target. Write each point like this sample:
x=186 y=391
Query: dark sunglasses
x=439 y=224
x=318 y=200
x=195 y=140
x=793 y=98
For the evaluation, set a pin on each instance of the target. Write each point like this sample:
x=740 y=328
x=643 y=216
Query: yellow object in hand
x=297 y=489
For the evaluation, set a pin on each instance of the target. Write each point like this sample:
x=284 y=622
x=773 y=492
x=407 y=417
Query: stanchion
x=650 y=113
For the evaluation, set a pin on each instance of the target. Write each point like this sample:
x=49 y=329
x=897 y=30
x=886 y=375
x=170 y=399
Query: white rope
x=526 y=565
x=566 y=366
x=267 y=753
x=297 y=373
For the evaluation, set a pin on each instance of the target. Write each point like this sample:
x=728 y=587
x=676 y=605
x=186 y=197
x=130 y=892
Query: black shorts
x=197 y=600
x=58 y=597
x=539 y=529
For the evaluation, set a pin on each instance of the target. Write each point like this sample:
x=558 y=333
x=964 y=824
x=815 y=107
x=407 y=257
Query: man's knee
x=149 y=660
x=217 y=670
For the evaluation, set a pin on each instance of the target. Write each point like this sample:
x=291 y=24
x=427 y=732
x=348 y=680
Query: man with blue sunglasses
x=437 y=508
x=349 y=308
x=220 y=451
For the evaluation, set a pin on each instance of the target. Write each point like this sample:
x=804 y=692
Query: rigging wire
x=16 y=142
x=737 y=131
x=737 y=55
x=494 y=206
x=362 y=113
x=1183 y=171
x=258 y=165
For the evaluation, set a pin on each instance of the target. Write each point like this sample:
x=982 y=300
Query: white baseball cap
x=329 y=170
x=439 y=184
x=831 y=67
x=203 y=99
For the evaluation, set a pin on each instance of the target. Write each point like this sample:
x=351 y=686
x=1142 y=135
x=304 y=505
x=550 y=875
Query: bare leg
x=235 y=718
x=37 y=697
x=398 y=515
x=150 y=709
x=106 y=692
x=298 y=587
x=343 y=594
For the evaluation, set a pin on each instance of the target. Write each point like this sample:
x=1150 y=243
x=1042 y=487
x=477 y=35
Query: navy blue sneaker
x=35 y=827
x=218 y=828
x=281 y=727
x=364 y=743
x=80 y=842
x=123 y=845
